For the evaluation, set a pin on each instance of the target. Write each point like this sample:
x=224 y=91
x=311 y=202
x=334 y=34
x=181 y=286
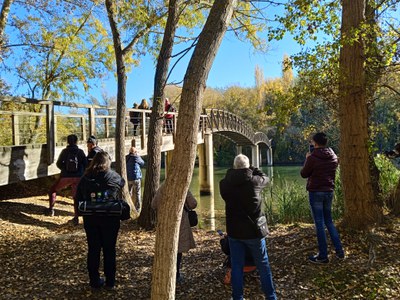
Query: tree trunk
x=154 y=143
x=182 y=164
x=5 y=10
x=361 y=208
x=120 y=164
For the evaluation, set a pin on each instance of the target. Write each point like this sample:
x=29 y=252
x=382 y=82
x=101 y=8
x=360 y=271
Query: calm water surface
x=211 y=209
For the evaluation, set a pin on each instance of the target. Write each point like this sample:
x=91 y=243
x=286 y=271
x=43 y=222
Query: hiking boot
x=318 y=260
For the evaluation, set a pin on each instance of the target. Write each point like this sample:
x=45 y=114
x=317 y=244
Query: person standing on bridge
x=133 y=164
x=72 y=162
x=92 y=147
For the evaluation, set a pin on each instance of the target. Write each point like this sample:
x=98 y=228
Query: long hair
x=101 y=162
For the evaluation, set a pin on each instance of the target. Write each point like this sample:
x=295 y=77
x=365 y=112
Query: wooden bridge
x=33 y=133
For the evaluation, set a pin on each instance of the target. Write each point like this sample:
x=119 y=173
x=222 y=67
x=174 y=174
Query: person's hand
x=308 y=154
x=258 y=172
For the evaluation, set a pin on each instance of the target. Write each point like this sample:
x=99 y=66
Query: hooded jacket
x=320 y=168
x=241 y=190
x=133 y=164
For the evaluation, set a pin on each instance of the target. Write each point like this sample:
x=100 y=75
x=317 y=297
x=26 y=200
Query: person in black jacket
x=72 y=162
x=92 y=147
x=240 y=190
x=101 y=231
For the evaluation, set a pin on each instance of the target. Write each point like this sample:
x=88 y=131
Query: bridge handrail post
x=50 y=132
x=92 y=121
x=15 y=129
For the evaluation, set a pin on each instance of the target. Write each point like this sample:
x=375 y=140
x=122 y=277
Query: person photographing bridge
x=72 y=162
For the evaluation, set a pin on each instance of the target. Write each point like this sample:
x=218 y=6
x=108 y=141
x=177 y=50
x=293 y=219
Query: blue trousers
x=258 y=249
x=321 y=206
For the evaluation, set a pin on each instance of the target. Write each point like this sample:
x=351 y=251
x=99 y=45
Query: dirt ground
x=44 y=257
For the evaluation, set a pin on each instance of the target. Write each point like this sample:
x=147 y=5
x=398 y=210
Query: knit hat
x=92 y=140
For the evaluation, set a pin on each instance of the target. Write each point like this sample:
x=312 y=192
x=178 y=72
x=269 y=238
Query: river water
x=211 y=208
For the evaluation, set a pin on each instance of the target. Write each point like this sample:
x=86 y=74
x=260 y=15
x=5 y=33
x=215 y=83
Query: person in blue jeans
x=241 y=190
x=319 y=169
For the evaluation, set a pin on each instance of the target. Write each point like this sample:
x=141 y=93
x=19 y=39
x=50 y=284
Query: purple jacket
x=320 y=168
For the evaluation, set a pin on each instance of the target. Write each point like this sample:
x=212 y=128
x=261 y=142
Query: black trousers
x=101 y=234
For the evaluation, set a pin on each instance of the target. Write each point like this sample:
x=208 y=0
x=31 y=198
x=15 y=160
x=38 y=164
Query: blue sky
x=234 y=64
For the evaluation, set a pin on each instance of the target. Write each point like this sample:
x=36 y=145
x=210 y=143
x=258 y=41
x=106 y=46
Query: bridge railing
x=26 y=121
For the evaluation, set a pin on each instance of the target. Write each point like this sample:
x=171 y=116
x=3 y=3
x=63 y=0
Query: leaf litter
x=44 y=257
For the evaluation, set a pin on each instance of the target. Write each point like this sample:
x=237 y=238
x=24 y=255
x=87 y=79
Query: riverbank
x=45 y=258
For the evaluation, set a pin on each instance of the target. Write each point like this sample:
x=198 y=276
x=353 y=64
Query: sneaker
x=340 y=256
x=50 y=212
x=109 y=288
x=97 y=286
x=318 y=260
x=179 y=279
x=75 y=221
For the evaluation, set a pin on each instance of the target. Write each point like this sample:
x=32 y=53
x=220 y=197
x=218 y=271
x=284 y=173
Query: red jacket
x=320 y=168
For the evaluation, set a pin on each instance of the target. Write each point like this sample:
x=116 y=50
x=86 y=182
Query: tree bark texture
x=180 y=174
x=154 y=142
x=361 y=208
x=121 y=101
x=5 y=10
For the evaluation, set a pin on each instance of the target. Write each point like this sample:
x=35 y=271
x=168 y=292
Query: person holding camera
x=240 y=189
x=319 y=169
x=394 y=156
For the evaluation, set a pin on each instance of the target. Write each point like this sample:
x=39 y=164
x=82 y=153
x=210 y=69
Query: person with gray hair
x=241 y=190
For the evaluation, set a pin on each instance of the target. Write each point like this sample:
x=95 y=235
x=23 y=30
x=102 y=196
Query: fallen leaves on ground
x=44 y=257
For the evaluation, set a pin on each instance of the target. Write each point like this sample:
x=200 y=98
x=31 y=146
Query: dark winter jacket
x=320 y=168
x=92 y=153
x=133 y=164
x=109 y=181
x=62 y=160
x=241 y=190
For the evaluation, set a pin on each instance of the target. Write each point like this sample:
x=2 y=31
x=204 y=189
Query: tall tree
x=361 y=207
x=153 y=17
x=154 y=143
x=182 y=164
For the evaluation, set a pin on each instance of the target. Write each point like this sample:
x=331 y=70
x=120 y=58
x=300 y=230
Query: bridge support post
x=206 y=165
x=238 y=149
x=255 y=156
x=269 y=157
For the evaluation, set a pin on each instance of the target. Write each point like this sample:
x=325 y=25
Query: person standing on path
x=101 y=231
x=319 y=169
x=72 y=162
x=133 y=164
x=92 y=147
x=241 y=190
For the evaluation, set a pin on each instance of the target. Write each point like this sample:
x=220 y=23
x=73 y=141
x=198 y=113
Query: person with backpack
x=101 y=231
x=72 y=162
x=92 y=147
x=134 y=174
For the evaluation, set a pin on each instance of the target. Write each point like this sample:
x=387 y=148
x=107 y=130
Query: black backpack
x=72 y=162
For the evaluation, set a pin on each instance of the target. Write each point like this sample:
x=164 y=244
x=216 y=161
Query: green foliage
x=62 y=53
x=389 y=177
x=286 y=203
